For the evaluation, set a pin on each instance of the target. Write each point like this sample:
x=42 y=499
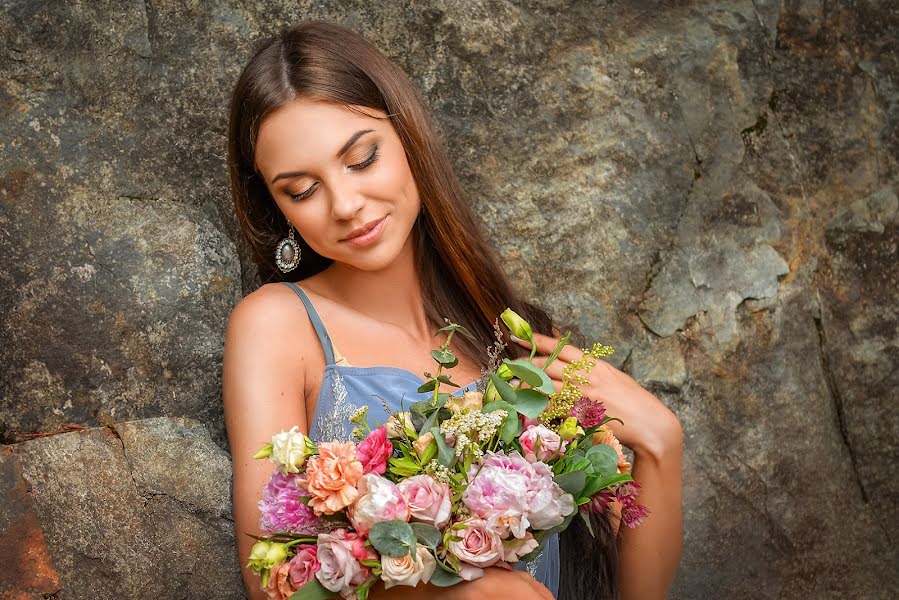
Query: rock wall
x=711 y=189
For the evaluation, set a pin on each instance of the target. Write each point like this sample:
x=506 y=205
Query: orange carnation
x=331 y=477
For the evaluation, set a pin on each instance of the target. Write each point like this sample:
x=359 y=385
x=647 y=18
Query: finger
x=555 y=368
x=547 y=345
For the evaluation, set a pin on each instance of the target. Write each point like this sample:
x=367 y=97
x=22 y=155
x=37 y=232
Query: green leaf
x=446 y=379
x=446 y=456
x=586 y=517
x=393 y=538
x=511 y=425
x=601 y=482
x=530 y=403
x=443 y=578
x=572 y=482
x=427 y=386
x=531 y=373
x=429 y=453
x=603 y=458
x=427 y=535
x=562 y=343
x=506 y=392
x=445 y=358
x=313 y=590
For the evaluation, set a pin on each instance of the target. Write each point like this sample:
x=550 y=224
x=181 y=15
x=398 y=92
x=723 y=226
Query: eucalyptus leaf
x=531 y=373
x=445 y=358
x=393 y=538
x=506 y=392
x=572 y=482
x=603 y=458
x=443 y=578
x=530 y=403
x=313 y=590
x=427 y=386
x=427 y=535
x=446 y=379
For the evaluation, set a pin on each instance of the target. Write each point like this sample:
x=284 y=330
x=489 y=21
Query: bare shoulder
x=270 y=307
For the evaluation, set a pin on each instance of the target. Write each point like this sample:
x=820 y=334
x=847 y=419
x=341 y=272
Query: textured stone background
x=712 y=189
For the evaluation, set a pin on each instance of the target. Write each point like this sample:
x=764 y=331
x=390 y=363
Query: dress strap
x=317 y=323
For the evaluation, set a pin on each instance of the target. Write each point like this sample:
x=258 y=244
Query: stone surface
x=709 y=187
x=144 y=515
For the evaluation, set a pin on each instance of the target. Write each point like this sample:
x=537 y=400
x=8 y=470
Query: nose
x=346 y=199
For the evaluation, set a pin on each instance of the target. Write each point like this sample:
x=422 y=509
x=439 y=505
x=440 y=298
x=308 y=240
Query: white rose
x=289 y=450
x=408 y=570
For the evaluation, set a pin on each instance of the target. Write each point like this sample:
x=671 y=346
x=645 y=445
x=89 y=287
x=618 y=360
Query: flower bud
x=570 y=429
x=277 y=553
x=491 y=394
x=504 y=372
x=257 y=556
x=518 y=326
x=264 y=452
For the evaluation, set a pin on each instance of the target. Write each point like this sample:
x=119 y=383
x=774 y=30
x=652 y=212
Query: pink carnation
x=282 y=508
x=375 y=451
x=588 y=412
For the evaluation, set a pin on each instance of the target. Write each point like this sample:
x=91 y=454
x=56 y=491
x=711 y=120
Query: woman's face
x=332 y=172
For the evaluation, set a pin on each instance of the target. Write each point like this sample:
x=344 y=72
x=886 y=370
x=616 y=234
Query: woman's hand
x=496 y=583
x=649 y=427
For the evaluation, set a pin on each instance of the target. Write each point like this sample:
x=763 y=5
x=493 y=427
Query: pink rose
x=304 y=565
x=375 y=451
x=339 y=553
x=541 y=443
x=480 y=545
x=379 y=500
x=279 y=586
x=331 y=477
x=429 y=501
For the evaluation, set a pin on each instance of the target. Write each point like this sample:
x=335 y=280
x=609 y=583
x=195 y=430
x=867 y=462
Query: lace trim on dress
x=332 y=425
x=532 y=564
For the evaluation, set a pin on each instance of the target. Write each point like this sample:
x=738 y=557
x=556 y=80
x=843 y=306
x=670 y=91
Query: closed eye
x=375 y=154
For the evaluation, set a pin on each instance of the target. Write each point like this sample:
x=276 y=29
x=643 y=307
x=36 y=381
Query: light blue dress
x=345 y=388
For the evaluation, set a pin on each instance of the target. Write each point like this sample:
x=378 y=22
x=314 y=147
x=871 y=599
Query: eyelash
x=357 y=167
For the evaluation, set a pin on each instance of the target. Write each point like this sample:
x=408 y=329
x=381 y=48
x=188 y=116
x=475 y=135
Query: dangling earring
x=287 y=254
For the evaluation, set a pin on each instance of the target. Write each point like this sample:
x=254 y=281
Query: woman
x=335 y=165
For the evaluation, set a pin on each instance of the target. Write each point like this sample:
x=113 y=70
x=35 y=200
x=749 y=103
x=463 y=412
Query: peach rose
x=331 y=477
x=279 y=586
x=604 y=435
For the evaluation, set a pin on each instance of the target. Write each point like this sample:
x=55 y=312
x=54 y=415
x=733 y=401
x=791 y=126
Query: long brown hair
x=460 y=275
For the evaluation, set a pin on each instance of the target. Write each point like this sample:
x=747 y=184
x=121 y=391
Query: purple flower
x=281 y=507
x=588 y=412
x=600 y=502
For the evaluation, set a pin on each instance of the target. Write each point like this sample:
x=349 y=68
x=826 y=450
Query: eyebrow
x=343 y=150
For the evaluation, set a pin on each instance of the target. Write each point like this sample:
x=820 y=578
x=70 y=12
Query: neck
x=390 y=295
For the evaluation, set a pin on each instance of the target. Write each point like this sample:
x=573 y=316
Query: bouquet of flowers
x=446 y=489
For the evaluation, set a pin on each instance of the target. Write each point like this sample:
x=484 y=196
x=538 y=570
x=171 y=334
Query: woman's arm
x=263 y=385
x=649 y=554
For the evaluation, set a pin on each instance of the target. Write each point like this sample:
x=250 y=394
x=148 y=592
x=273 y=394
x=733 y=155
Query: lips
x=363 y=230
